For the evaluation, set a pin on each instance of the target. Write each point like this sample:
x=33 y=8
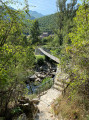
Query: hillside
x=35 y=14
x=47 y=23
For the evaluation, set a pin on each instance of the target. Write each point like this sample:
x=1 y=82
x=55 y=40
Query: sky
x=44 y=7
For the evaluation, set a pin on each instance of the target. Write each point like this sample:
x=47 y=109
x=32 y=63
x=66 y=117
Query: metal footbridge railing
x=42 y=87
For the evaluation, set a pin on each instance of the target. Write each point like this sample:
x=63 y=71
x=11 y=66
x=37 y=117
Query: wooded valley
x=67 y=39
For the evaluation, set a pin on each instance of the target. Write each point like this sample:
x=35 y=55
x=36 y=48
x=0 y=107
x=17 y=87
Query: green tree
x=35 y=32
x=16 y=56
x=67 y=10
x=77 y=54
x=61 y=4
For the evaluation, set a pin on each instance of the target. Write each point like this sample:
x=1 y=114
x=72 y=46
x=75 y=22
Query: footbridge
x=49 y=55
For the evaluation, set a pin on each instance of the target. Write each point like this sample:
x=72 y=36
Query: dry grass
x=70 y=109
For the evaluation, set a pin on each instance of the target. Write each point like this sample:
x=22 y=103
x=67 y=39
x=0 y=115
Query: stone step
x=63 y=81
x=58 y=87
x=59 y=84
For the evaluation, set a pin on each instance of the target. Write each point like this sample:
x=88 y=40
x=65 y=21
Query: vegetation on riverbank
x=74 y=103
x=39 y=59
x=45 y=85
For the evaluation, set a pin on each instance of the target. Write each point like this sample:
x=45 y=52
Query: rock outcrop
x=46 y=70
x=28 y=107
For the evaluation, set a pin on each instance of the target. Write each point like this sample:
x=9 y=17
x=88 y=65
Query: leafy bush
x=40 y=59
x=45 y=85
x=16 y=110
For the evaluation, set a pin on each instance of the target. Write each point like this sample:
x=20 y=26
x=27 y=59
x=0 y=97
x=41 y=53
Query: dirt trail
x=45 y=105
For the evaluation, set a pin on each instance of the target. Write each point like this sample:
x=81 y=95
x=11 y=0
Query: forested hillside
x=32 y=14
x=48 y=23
x=35 y=14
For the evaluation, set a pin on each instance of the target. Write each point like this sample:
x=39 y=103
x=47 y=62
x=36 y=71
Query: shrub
x=40 y=59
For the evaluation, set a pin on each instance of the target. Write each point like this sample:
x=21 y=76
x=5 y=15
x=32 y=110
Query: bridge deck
x=50 y=56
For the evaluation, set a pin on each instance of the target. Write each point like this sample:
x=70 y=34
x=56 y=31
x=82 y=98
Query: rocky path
x=45 y=105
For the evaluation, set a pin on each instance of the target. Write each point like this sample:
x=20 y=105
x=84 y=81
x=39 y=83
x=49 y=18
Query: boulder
x=29 y=107
x=38 y=80
x=39 y=75
x=35 y=100
x=42 y=76
x=33 y=77
x=36 y=73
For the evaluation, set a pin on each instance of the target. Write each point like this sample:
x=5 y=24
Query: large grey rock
x=35 y=100
x=28 y=107
x=41 y=76
x=33 y=77
x=38 y=80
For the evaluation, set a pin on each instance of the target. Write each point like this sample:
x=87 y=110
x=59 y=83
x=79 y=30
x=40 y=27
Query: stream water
x=32 y=88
